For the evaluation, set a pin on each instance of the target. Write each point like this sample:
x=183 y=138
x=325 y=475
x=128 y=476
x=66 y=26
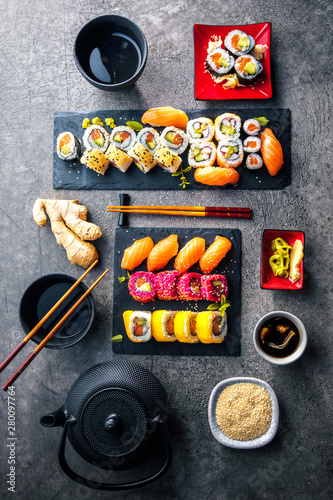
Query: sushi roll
x=167 y=159
x=189 y=286
x=185 y=327
x=202 y=154
x=213 y=286
x=138 y=325
x=166 y=285
x=96 y=137
x=96 y=160
x=230 y=153
x=174 y=139
x=149 y=138
x=227 y=126
x=200 y=129
x=211 y=326
x=247 y=69
x=123 y=138
x=253 y=161
x=163 y=328
x=238 y=43
x=251 y=126
x=118 y=158
x=142 y=286
x=143 y=159
x=252 y=144
x=219 y=62
x=68 y=147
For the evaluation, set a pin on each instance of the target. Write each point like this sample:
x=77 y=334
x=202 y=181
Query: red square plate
x=268 y=280
x=206 y=88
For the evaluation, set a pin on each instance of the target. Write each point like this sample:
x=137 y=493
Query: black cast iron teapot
x=115 y=418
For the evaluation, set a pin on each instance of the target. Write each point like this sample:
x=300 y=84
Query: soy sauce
x=278 y=330
x=114 y=58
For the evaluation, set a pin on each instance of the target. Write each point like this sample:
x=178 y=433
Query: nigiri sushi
x=214 y=254
x=271 y=151
x=162 y=252
x=137 y=253
x=190 y=254
x=216 y=176
x=165 y=117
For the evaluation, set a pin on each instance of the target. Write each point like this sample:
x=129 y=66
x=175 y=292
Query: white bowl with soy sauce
x=280 y=337
x=111 y=52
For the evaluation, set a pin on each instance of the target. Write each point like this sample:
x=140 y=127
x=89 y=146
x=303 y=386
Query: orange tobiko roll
x=214 y=254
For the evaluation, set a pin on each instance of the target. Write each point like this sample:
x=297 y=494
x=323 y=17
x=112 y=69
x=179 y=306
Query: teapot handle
x=118 y=486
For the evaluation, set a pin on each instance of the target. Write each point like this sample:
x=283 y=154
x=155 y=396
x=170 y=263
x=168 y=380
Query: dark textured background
x=38 y=76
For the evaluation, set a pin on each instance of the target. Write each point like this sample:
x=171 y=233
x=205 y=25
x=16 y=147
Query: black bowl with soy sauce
x=111 y=52
x=42 y=295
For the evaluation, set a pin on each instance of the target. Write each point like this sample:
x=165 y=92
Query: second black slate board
x=77 y=176
x=122 y=301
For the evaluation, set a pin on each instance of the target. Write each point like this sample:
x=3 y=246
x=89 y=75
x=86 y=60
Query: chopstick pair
x=197 y=211
x=40 y=346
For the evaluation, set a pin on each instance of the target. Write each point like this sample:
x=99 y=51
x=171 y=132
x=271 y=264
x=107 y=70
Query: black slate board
x=77 y=176
x=122 y=301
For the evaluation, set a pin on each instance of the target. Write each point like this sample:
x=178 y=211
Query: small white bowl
x=302 y=341
x=235 y=443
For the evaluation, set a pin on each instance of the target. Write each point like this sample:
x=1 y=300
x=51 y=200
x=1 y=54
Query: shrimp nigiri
x=214 y=254
x=165 y=117
x=216 y=176
x=271 y=151
x=137 y=253
x=190 y=254
x=162 y=252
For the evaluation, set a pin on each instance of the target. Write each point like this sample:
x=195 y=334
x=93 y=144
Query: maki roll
x=68 y=147
x=118 y=158
x=247 y=69
x=219 y=62
x=230 y=153
x=138 y=325
x=227 y=126
x=163 y=328
x=96 y=137
x=167 y=159
x=253 y=161
x=238 y=43
x=96 y=160
x=252 y=144
x=189 y=286
x=166 y=285
x=185 y=327
x=143 y=159
x=251 y=126
x=123 y=138
x=174 y=139
x=213 y=286
x=149 y=138
x=142 y=286
x=200 y=129
x=211 y=326
x=202 y=154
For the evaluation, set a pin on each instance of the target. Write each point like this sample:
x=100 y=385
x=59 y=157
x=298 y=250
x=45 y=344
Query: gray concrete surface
x=38 y=76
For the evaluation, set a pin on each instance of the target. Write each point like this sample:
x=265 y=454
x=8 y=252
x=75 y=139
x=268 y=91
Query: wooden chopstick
x=42 y=321
x=50 y=335
x=181 y=208
x=135 y=210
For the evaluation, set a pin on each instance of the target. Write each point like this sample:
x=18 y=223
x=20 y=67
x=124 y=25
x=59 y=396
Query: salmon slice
x=214 y=254
x=190 y=254
x=271 y=151
x=165 y=117
x=162 y=252
x=216 y=176
x=65 y=139
x=137 y=253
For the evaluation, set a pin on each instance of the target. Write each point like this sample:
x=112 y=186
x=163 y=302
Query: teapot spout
x=55 y=419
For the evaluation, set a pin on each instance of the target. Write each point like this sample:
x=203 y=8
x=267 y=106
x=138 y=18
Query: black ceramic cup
x=111 y=52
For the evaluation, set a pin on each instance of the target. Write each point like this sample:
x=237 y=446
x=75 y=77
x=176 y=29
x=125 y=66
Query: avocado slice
x=235 y=149
x=66 y=149
x=199 y=157
x=99 y=141
x=229 y=152
x=151 y=144
x=140 y=321
x=250 y=68
x=243 y=42
x=227 y=129
x=222 y=62
x=117 y=138
x=170 y=136
x=146 y=287
x=196 y=151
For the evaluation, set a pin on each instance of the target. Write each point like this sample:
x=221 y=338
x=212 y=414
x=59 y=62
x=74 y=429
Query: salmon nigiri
x=216 y=176
x=165 y=117
x=162 y=252
x=189 y=254
x=214 y=254
x=137 y=253
x=271 y=151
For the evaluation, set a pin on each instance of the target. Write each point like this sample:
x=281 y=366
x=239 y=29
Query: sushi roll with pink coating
x=230 y=153
x=149 y=138
x=143 y=159
x=200 y=129
x=166 y=285
x=202 y=154
x=189 y=286
x=142 y=286
x=253 y=161
x=213 y=286
x=251 y=126
x=252 y=144
x=227 y=126
x=174 y=139
x=118 y=158
x=123 y=138
x=167 y=159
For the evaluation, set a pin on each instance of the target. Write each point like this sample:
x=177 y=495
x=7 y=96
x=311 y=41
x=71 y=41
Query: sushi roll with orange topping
x=200 y=129
x=138 y=325
x=174 y=139
x=142 y=286
x=96 y=160
x=227 y=126
x=230 y=153
x=213 y=286
x=123 y=138
x=118 y=158
x=202 y=154
x=166 y=285
x=143 y=159
x=189 y=286
x=167 y=159
x=96 y=137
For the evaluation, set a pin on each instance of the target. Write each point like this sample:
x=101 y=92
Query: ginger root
x=68 y=223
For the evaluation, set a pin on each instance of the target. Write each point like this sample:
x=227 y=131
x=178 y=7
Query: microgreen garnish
x=220 y=307
x=116 y=338
x=181 y=172
x=121 y=279
x=262 y=120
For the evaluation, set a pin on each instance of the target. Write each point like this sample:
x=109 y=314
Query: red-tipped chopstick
x=198 y=211
x=40 y=346
x=45 y=318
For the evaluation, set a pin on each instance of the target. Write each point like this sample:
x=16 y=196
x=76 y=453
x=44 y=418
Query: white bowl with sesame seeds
x=246 y=415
